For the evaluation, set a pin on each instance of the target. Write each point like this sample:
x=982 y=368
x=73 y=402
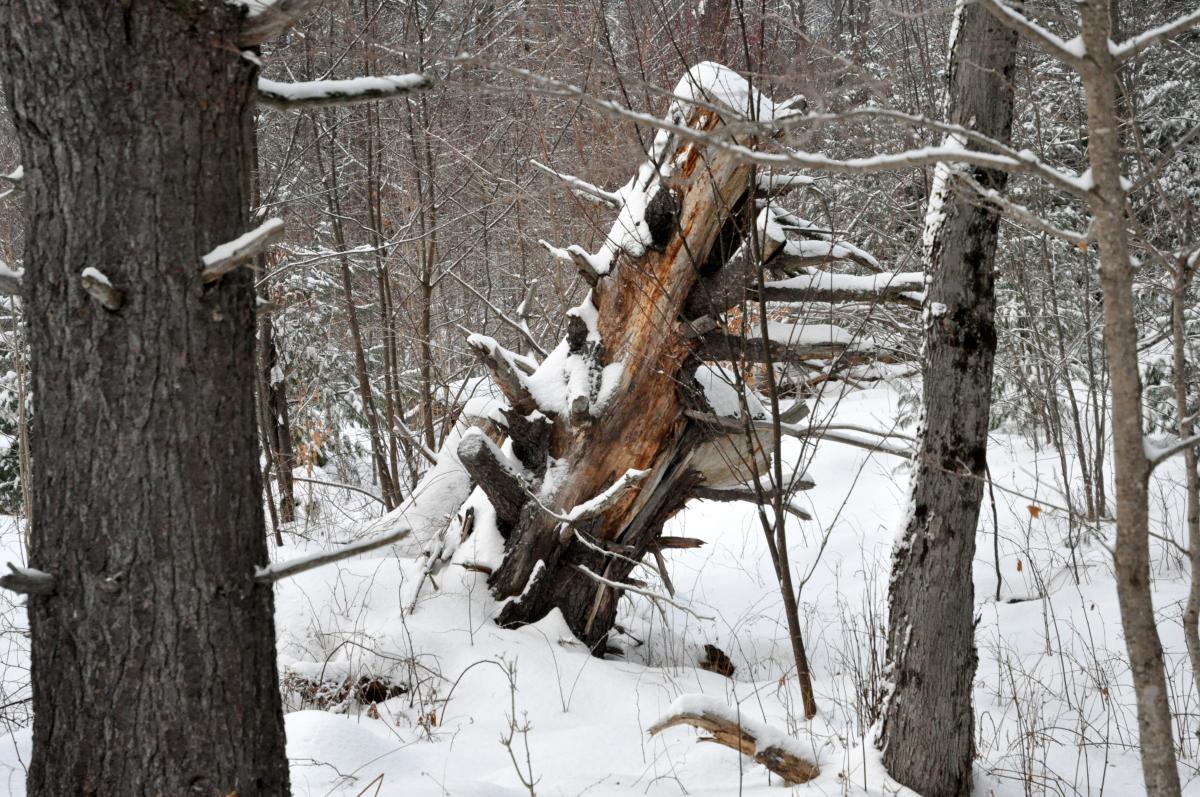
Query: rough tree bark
x=615 y=396
x=927 y=732
x=154 y=657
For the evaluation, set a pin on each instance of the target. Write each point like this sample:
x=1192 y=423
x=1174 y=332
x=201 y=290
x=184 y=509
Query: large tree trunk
x=154 y=658
x=927 y=734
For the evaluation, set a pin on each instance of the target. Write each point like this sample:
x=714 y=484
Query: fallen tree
x=613 y=431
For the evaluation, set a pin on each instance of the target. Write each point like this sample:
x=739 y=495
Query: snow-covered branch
x=777 y=751
x=1071 y=52
x=10 y=280
x=823 y=286
x=16 y=177
x=27 y=581
x=1131 y=47
x=240 y=250
x=1023 y=162
x=318 y=93
x=97 y=285
x=1157 y=454
x=594 y=507
x=508 y=377
x=592 y=193
x=292 y=567
x=1020 y=213
x=522 y=329
x=588 y=265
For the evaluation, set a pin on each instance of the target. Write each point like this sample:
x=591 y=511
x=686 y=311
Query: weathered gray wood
x=153 y=661
x=928 y=721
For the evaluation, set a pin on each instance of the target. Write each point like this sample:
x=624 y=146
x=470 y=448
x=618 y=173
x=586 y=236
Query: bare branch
x=654 y=596
x=1019 y=213
x=320 y=93
x=1017 y=163
x=340 y=486
x=751 y=495
x=583 y=188
x=281 y=570
x=522 y=329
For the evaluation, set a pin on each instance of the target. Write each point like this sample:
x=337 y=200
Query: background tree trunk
x=1131 y=467
x=154 y=660
x=927 y=735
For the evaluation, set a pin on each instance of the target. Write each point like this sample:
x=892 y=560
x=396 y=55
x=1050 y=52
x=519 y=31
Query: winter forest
x=606 y=397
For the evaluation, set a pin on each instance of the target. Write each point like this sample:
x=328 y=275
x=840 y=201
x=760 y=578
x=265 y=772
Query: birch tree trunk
x=927 y=734
x=154 y=657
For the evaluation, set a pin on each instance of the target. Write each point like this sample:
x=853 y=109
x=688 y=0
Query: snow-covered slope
x=1054 y=707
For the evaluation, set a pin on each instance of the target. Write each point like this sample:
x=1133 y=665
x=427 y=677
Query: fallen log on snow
x=787 y=757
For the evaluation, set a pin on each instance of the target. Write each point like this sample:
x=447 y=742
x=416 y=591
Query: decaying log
x=622 y=392
x=773 y=749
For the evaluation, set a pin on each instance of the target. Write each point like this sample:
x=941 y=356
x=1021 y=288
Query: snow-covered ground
x=1054 y=706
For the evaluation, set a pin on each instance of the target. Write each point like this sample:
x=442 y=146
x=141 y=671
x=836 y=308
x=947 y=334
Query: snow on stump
x=788 y=758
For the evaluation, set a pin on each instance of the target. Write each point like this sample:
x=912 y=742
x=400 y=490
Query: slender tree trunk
x=154 y=659
x=927 y=735
x=1130 y=464
x=1184 y=401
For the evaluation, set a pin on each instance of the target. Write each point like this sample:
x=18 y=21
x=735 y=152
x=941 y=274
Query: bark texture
x=154 y=659
x=931 y=634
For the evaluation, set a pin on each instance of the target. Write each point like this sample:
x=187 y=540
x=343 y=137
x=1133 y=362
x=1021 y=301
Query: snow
x=935 y=213
x=711 y=83
x=806 y=333
x=247 y=240
x=721 y=394
x=16 y=175
x=10 y=273
x=1059 y=650
x=95 y=274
